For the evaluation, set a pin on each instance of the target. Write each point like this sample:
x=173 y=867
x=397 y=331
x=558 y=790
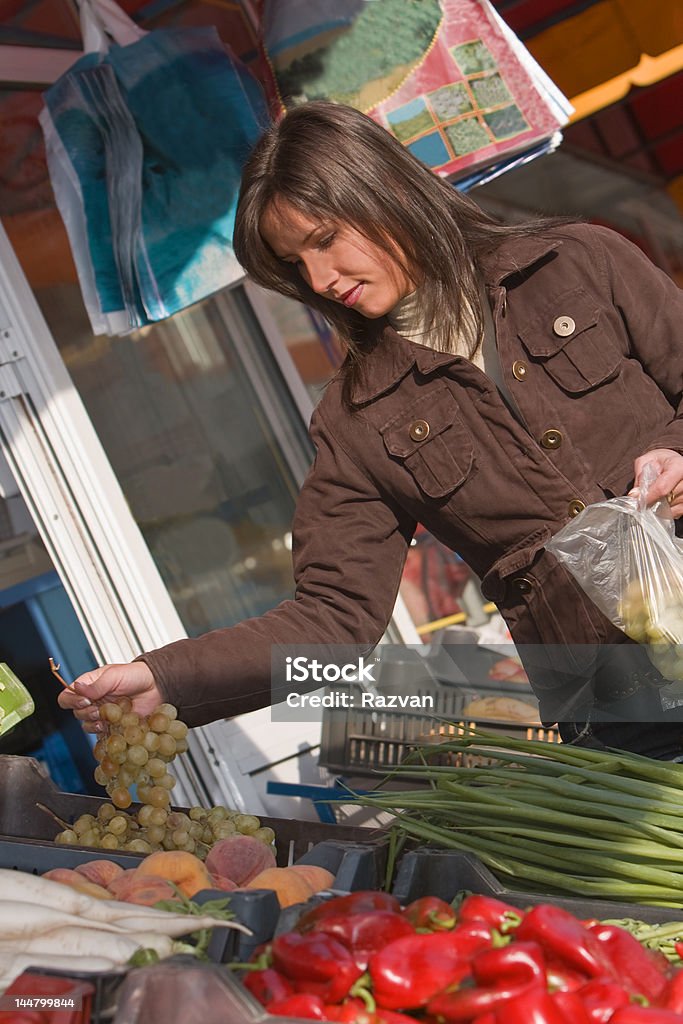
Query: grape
x=68 y=837
x=180 y=836
x=159 y=816
x=109 y=841
x=167 y=745
x=156 y=833
x=138 y=846
x=137 y=755
x=116 y=744
x=144 y=815
x=197 y=813
x=109 y=767
x=224 y=830
x=83 y=824
x=105 y=812
x=118 y=825
x=156 y=767
x=247 y=823
x=158 y=722
x=100 y=748
x=178 y=730
x=111 y=712
x=181 y=746
x=169 y=710
x=265 y=835
x=159 y=797
x=167 y=781
x=134 y=734
x=120 y=797
x=151 y=742
x=143 y=793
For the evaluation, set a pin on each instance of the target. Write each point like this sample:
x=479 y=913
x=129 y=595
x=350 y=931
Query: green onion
x=605 y=824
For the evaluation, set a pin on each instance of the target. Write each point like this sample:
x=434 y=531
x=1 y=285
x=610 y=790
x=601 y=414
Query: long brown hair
x=330 y=161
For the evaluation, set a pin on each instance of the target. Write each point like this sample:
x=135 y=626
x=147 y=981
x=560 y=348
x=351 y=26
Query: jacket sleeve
x=651 y=306
x=349 y=548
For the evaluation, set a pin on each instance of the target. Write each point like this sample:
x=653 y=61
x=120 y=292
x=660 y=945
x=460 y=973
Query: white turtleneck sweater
x=406 y=319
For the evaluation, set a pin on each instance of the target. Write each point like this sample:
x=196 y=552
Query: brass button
x=575 y=507
x=551 y=438
x=519 y=369
x=419 y=430
x=564 y=326
x=523 y=584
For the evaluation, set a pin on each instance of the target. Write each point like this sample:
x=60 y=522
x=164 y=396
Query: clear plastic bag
x=630 y=563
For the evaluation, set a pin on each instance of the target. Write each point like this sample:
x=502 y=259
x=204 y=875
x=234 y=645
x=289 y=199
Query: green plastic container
x=16 y=703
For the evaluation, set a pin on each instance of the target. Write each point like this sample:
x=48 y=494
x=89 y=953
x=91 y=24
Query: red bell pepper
x=488 y=1018
x=501 y=975
x=408 y=972
x=644 y=1015
x=534 y=1006
x=430 y=913
x=302 y=1005
x=564 y=938
x=316 y=963
x=561 y=978
x=639 y=970
x=499 y=915
x=572 y=1006
x=354 y=903
x=366 y=933
x=673 y=996
x=267 y=985
x=351 y=1011
x=520 y=960
x=602 y=997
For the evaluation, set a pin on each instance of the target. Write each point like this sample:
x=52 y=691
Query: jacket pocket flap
x=404 y=433
x=543 y=337
x=432 y=441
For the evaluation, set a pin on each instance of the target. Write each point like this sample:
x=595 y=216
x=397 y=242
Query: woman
x=498 y=379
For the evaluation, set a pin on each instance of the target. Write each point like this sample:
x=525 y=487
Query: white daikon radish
x=23 y=919
x=14 y=964
x=75 y=941
x=175 y=924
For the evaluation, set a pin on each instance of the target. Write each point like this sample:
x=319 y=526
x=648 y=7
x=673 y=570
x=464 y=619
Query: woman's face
x=336 y=261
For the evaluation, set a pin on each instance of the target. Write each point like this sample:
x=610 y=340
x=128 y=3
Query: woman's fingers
x=110 y=682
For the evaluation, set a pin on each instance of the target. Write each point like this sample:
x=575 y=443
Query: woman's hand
x=107 y=683
x=669 y=484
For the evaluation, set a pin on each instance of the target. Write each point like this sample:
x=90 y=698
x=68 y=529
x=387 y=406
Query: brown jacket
x=589 y=339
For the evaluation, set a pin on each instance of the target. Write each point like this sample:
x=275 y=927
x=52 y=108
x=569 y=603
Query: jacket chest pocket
x=568 y=342
x=430 y=439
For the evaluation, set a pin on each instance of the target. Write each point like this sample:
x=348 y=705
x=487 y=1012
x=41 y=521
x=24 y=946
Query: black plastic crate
x=24 y=786
x=445 y=873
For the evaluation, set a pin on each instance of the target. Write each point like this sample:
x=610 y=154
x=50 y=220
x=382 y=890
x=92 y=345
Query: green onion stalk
x=556 y=819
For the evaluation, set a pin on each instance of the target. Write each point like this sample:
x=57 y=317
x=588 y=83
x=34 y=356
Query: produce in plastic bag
x=630 y=563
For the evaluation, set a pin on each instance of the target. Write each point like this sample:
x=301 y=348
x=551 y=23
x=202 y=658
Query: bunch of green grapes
x=136 y=751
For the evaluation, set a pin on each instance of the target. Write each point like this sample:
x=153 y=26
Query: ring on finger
x=671 y=497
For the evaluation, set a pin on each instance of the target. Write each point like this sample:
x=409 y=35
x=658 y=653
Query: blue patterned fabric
x=145 y=148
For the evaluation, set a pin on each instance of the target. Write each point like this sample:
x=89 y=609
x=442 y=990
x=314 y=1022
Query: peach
x=101 y=872
x=186 y=870
x=76 y=881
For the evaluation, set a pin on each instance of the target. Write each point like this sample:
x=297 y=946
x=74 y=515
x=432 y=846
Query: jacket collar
x=394 y=356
